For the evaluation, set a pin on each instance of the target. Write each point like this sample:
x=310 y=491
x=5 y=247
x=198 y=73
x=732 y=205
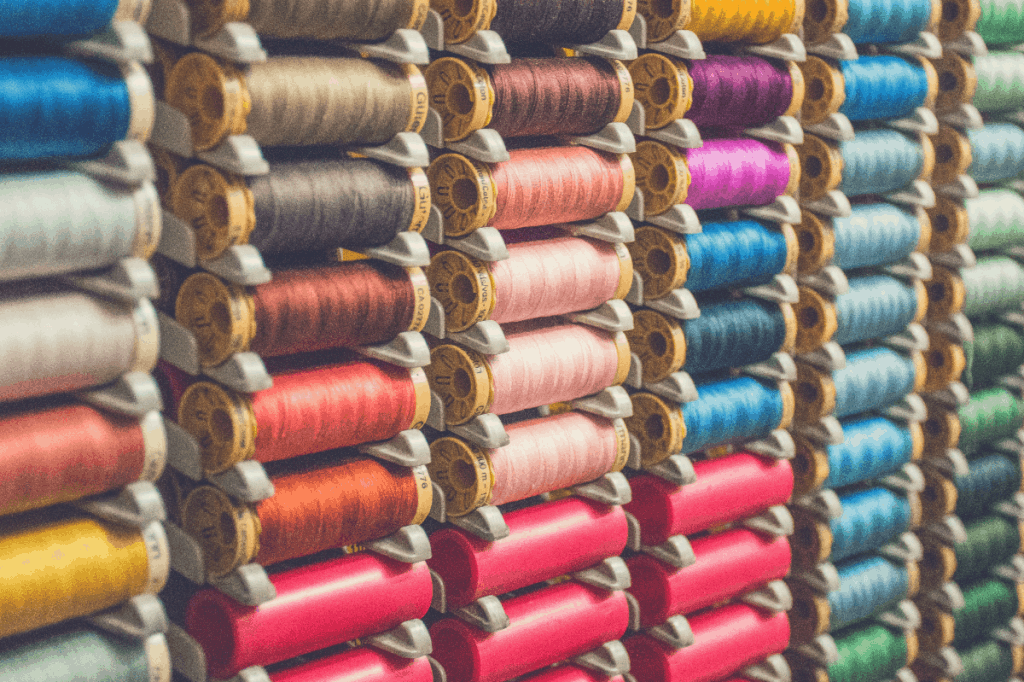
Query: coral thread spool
x=366 y=664
x=540 y=546
x=727 y=489
x=347 y=597
x=549 y=625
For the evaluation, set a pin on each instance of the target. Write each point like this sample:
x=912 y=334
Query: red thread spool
x=67 y=453
x=549 y=625
x=341 y=305
x=570 y=673
x=307 y=410
x=172 y=382
x=359 y=665
x=317 y=606
x=727 y=489
x=728 y=564
x=545 y=541
x=725 y=640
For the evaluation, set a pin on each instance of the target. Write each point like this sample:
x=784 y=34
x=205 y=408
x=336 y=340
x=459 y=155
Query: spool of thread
x=991 y=287
x=544 y=365
x=571 y=673
x=997 y=350
x=69 y=452
x=658 y=427
x=69 y=18
x=996 y=217
x=348 y=597
x=541 y=278
x=992 y=415
x=63 y=221
x=989 y=661
x=997 y=152
x=867 y=22
x=873 y=234
x=727 y=489
x=54 y=340
x=999 y=81
x=81 y=654
x=549 y=625
x=953 y=155
x=946 y=361
x=939 y=498
x=363 y=663
x=1001 y=21
x=956 y=17
x=567 y=22
x=540 y=546
x=722 y=91
x=725 y=640
x=872 y=652
x=317 y=506
x=724 y=172
x=543 y=455
x=874 y=306
x=302 y=206
x=298 y=101
x=727 y=334
x=872 y=378
x=988 y=604
x=872 y=447
x=991 y=540
x=734 y=253
x=306 y=411
x=540 y=186
x=60 y=107
x=871 y=518
x=529 y=97
x=728 y=564
x=336 y=21
x=876 y=161
x=869 y=88
x=303 y=309
x=958 y=80
x=722 y=22
x=941 y=428
x=950 y=224
x=736 y=409
x=59 y=564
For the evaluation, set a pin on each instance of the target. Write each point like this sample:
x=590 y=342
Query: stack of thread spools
x=83 y=551
x=860 y=495
x=970 y=599
x=295 y=194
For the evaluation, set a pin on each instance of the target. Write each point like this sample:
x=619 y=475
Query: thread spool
x=951 y=224
x=658 y=426
x=518 y=21
x=317 y=506
x=936 y=629
x=946 y=293
x=941 y=428
x=303 y=309
x=957 y=17
x=306 y=411
x=721 y=91
x=530 y=97
x=571 y=673
x=991 y=287
x=728 y=564
x=1000 y=78
x=578 y=361
x=996 y=152
x=988 y=604
x=727 y=489
x=736 y=409
x=368 y=102
x=874 y=234
x=70 y=654
x=872 y=652
x=939 y=497
x=864 y=22
x=69 y=452
x=946 y=362
x=540 y=278
x=999 y=22
x=538 y=548
x=953 y=154
x=991 y=415
x=938 y=565
x=549 y=625
x=545 y=454
x=869 y=88
x=991 y=540
x=60 y=107
x=542 y=186
x=350 y=597
x=56 y=341
x=958 y=81
x=997 y=350
x=732 y=22
x=59 y=564
x=995 y=216
x=989 y=661
x=724 y=172
x=299 y=206
x=363 y=663
x=725 y=640
x=70 y=18
x=62 y=221
x=345 y=20
x=991 y=478
x=876 y=161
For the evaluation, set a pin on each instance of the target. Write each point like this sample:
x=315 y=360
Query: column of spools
x=712 y=336
x=867 y=162
x=83 y=551
x=530 y=179
x=295 y=194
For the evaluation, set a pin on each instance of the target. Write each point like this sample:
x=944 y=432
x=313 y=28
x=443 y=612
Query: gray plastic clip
x=1013 y=570
x=782 y=289
x=829 y=357
x=909 y=478
x=825 y=431
x=1013 y=507
x=186 y=554
x=909 y=408
x=784 y=209
x=904 y=615
x=411 y=639
x=614 y=227
x=681 y=132
x=407 y=249
x=968 y=44
x=177 y=345
x=129 y=280
x=612 y=316
x=634 y=612
x=676 y=469
x=784 y=129
x=610 y=574
x=926 y=45
x=917 y=193
x=964 y=116
x=433 y=33
x=964 y=187
x=611 y=403
x=838 y=46
x=408 y=544
x=914 y=266
x=433 y=129
x=949 y=530
x=960 y=256
x=635 y=210
x=835 y=127
x=405 y=149
x=913 y=338
x=678 y=387
x=134 y=394
x=824 y=504
x=1012 y=633
x=235 y=41
x=435 y=325
x=678 y=303
x=675 y=632
x=612 y=489
x=486 y=613
x=240 y=264
x=246 y=481
x=485 y=522
x=633 y=533
x=905 y=548
x=248 y=584
x=830 y=280
x=776 y=445
x=788 y=46
x=404 y=46
x=922 y=121
x=947 y=597
x=408 y=349
x=243 y=372
x=485 y=243
x=616 y=44
x=834 y=204
x=823 y=578
x=946 y=660
x=634 y=379
x=127 y=162
x=776 y=521
x=950 y=463
x=957 y=328
x=609 y=659
x=237 y=154
x=615 y=138
x=138 y=618
x=772 y=669
x=437 y=671
x=774 y=596
x=905 y=675
x=486 y=430
x=953 y=396
x=484 y=145
x=682 y=44
x=485 y=47
x=188 y=657
x=821 y=650
x=120 y=42
x=680 y=218
x=676 y=551
x=409 y=449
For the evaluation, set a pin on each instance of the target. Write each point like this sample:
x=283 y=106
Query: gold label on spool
x=219 y=315
x=816 y=318
x=625 y=271
x=463 y=19
x=421 y=209
x=664 y=18
x=419 y=98
x=463 y=471
x=662 y=175
x=628 y=182
x=228 y=535
x=827 y=17
x=794 y=169
x=141 y=101
x=661 y=259
x=792 y=249
x=461 y=93
x=626 y=93
x=821 y=167
x=625 y=360
x=789 y=318
x=659 y=342
x=461 y=379
x=421 y=299
x=148 y=220
x=464 y=287
x=424 y=494
x=621 y=445
x=464 y=192
x=216 y=207
x=221 y=421
x=422 y=389
x=927 y=157
x=158 y=658
x=663 y=88
x=788 y=404
x=158 y=556
x=211 y=95
x=827 y=89
x=628 y=14
x=658 y=427
x=796 y=78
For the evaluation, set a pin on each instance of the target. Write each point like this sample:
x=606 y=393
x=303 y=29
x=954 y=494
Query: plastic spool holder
x=247 y=584
x=835 y=127
x=957 y=328
x=120 y=41
x=968 y=44
x=240 y=264
x=775 y=521
x=129 y=281
x=834 y=205
x=926 y=45
x=485 y=522
x=964 y=116
x=616 y=44
x=917 y=193
x=678 y=303
x=825 y=431
x=243 y=372
x=904 y=615
x=837 y=46
x=946 y=661
x=785 y=129
x=675 y=632
x=614 y=227
x=772 y=669
x=779 y=367
x=964 y=187
x=133 y=394
x=137 y=505
x=609 y=659
x=127 y=162
x=782 y=289
x=773 y=597
x=408 y=349
x=404 y=46
x=138 y=618
x=830 y=281
x=951 y=462
x=237 y=154
x=682 y=44
x=915 y=266
x=236 y=41
x=823 y=578
x=784 y=209
x=922 y=121
x=776 y=445
x=680 y=218
x=947 y=597
x=788 y=46
x=913 y=338
x=612 y=316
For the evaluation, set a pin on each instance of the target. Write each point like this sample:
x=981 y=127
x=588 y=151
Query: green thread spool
x=996 y=351
x=1000 y=81
x=73 y=655
x=1001 y=22
x=997 y=219
x=988 y=604
x=995 y=285
x=991 y=541
x=989 y=661
x=991 y=415
x=868 y=653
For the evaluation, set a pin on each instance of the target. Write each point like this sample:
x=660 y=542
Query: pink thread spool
x=364 y=664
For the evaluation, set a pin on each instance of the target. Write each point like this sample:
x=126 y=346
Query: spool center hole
x=943 y=153
x=662 y=8
x=464 y=7
x=940 y=223
x=937 y=291
x=807 y=391
x=459 y=99
x=816 y=88
x=227 y=529
x=936 y=358
x=658 y=262
x=657 y=179
x=220 y=316
x=213 y=102
x=220 y=424
x=809 y=317
x=461 y=474
x=802 y=608
x=461 y=383
x=947 y=81
x=464 y=194
x=813 y=166
x=462 y=289
x=950 y=11
x=818 y=10
x=655 y=427
x=806 y=240
x=931 y=427
x=658 y=344
x=660 y=91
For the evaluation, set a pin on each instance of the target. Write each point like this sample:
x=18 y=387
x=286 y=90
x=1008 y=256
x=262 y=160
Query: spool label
x=421 y=299
x=422 y=388
x=158 y=658
x=464 y=473
x=664 y=19
x=625 y=271
x=421 y=189
x=449 y=77
x=788 y=404
x=462 y=380
x=204 y=298
x=154 y=440
x=628 y=14
x=158 y=554
x=200 y=406
x=198 y=198
x=420 y=98
x=229 y=535
x=448 y=175
x=626 y=94
x=622 y=347
x=621 y=444
x=424 y=494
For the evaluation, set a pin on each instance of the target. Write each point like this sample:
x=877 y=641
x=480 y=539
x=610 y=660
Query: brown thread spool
x=952 y=154
x=941 y=429
x=810 y=465
x=810 y=615
x=817 y=393
x=823 y=18
x=937 y=565
x=661 y=260
x=664 y=18
x=659 y=342
x=946 y=293
x=804 y=669
x=218 y=205
x=951 y=224
x=957 y=79
x=658 y=427
x=946 y=362
x=821 y=167
x=663 y=84
x=305 y=101
x=826 y=90
x=939 y=496
x=817 y=320
x=662 y=174
x=957 y=17
x=811 y=541
x=817 y=242
x=937 y=627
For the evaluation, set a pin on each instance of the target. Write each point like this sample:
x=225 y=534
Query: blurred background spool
x=69 y=18
x=872 y=652
x=727 y=22
x=72 y=653
x=958 y=81
x=996 y=220
x=364 y=663
x=997 y=152
x=565 y=22
x=1000 y=22
x=991 y=287
x=1000 y=81
x=997 y=350
x=991 y=415
x=864 y=22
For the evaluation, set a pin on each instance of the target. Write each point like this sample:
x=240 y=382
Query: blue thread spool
x=734 y=253
x=734 y=409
